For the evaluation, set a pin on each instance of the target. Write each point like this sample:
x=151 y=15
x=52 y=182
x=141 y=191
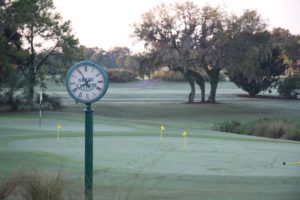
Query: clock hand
x=84 y=79
x=80 y=73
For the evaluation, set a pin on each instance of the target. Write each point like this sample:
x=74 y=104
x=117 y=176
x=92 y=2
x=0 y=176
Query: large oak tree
x=187 y=37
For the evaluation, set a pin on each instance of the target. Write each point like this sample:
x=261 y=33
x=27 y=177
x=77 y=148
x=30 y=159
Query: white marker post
x=41 y=99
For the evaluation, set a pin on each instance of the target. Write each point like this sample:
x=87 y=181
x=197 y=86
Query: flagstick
x=184 y=134
x=57 y=134
x=161 y=139
x=40 y=120
x=291 y=163
x=41 y=99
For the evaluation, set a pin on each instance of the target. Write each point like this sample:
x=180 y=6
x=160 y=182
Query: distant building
x=293 y=70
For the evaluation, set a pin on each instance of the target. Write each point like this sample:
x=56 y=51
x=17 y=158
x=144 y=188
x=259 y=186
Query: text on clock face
x=86 y=87
x=86 y=80
x=86 y=84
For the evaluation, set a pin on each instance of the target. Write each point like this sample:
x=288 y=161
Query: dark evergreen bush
x=290 y=87
x=121 y=75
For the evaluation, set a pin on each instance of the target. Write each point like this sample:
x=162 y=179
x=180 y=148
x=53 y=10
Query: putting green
x=202 y=156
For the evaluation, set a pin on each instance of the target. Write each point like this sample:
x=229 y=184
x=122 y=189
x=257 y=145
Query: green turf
x=130 y=163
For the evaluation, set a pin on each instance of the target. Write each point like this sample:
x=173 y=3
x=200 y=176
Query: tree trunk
x=202 y=88
x=11 y=101
x=30 y=93
x=192 y=85
x=30 y=87
x=32 y=70
x=213 y=91
x=200 y=82
x=214 y=80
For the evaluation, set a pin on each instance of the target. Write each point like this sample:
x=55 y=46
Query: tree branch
x=46 y=57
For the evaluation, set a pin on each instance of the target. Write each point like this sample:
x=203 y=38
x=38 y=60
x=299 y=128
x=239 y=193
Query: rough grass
x=8 y=187
x=35 y=186
x=277 y=128
x=38 y=186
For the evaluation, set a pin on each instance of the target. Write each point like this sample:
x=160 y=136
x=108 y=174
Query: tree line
x=187 y=38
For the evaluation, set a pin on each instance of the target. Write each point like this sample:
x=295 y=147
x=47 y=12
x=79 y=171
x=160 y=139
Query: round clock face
x=86 y=82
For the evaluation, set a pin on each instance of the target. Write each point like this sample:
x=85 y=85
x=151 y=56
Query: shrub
x=8 y=187
x=50 y=102
x=177 y=76
x=41 y=187
x=33 y=187
x=292 y=135
x=230 y=127
x=266 y=127
x=122 y=75
x=271 y=128
x=290 y=87
x=168 y=76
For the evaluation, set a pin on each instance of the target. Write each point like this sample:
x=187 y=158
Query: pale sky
x=108 y=23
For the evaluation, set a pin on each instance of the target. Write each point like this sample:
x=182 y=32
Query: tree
x=288 y=43
x=148 y=63
x=254 y=61
x=213 y=46
x=43 y=34
x=11 y=54
x=169 y=32
x=188 y=38
x=255 y=65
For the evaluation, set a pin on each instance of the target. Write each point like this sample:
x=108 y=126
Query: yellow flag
x=162 y=128
x=58 y=126
x=184 y=133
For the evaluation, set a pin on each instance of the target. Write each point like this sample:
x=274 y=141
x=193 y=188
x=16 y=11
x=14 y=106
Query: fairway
x=131 y=163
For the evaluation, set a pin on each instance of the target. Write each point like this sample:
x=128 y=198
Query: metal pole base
x=88 y=152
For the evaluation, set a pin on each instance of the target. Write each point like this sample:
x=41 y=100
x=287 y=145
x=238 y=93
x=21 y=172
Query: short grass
x=217 y=165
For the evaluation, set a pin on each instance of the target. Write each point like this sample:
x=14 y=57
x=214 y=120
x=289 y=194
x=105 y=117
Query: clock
x=86 y=82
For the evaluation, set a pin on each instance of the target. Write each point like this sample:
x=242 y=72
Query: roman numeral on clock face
x=86 y=82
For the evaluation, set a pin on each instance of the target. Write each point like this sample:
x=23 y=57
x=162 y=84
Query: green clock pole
x=88 y=152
